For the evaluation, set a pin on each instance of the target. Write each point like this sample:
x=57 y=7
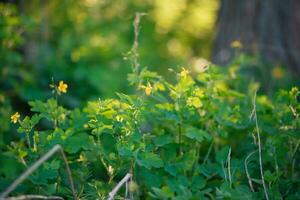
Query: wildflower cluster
x=189 y=140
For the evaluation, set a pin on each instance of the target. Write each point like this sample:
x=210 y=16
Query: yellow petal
x=15 y=117
x=148 y=89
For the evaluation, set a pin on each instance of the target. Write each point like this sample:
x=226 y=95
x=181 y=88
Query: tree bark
x=267 y=28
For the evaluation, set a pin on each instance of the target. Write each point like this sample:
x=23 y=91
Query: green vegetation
x=206 y=133
x=193 y=139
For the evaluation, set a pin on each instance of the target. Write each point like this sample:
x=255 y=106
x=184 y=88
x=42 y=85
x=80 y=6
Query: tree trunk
x=268 y=28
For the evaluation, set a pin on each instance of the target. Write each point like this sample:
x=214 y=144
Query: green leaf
x=197 y=134
x=172 y=169
x=48 y=171
x=162 y=140
x=126 y=98
x=76 y=142
x=149 y=177
x=198 y=183
x=149 y=160
x=164 y=193
x=221 y=155
x=269 y=176
x=124 y=151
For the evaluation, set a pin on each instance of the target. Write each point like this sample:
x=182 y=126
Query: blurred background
x=84 y=42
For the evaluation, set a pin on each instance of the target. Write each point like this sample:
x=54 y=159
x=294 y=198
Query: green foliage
x=85 y=43
x=188 y=134
x=175 y=147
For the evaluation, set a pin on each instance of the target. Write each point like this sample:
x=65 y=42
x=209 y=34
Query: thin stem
x=295 y=150
x=247 y=172
x=28 y=139
x=276 y=162
x=106 y=166
x=293 y=158
x=197 y=157
x=130 y=191
x=55 y=115
x=208 y=152
x=135 y=46
x=68 y=172
x=224 y=171
x=259 y=148
x=34 y=141
x=179 y=138
x=228 y=167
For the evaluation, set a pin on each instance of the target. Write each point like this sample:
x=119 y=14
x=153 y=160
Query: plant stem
x=247 y=172
x=229 y=168
x=208 y=152
x=179 y=138
x=55 y=114
x=259 y=147
x=28 y=139
x=135 y=46
x=224 y=171
x=196 y=161
x=293 y=158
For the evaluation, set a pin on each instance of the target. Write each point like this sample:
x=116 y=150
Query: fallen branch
x=36 y=165
x=32 y=196
x=113 y=193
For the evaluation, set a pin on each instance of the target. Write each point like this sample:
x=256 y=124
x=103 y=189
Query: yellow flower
x=63 y=116
x=236 y=44
x=158 y=87
x=184 y=72
x=277 y=72
x=294 y=91
x=15 y=117
x=81 y=158
x=148 y=89
x=194 y=102
x=199 y=92
x=119 y=118
x=62 y=87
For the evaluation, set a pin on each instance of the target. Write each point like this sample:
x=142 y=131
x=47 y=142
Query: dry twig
x=247 y=172
x=113 y=193
x=259 y=148
x=32 y=196
x=36 y=165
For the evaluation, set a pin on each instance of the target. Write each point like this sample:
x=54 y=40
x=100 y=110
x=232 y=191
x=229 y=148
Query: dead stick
x=118 y=186
x=39 y=162
x=32 y=196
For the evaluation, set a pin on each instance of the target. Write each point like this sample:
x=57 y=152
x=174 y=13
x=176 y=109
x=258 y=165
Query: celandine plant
x=201 y=137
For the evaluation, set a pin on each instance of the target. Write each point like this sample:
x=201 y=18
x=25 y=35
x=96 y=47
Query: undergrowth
x=198 y=138
x=210 y=135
